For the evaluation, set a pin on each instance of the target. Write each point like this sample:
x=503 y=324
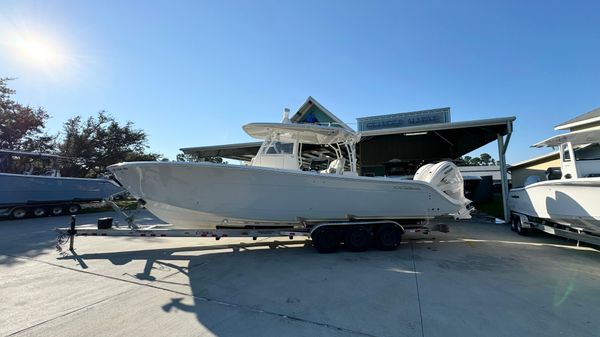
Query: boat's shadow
x=279 y=279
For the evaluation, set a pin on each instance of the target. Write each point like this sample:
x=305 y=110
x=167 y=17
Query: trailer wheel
x=357 y=239
x=520 y=229
x=388 y=237
x=513 y=222
x=18 y=213
x=39 y=212
x=325 y=240
x=73 y=209
x=57 y=210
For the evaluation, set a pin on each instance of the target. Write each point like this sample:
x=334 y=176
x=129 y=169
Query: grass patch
x=103 y=207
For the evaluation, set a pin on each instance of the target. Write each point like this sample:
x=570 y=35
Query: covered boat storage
x=395 y=150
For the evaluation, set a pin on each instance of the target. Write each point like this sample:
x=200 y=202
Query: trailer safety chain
x=61 y=240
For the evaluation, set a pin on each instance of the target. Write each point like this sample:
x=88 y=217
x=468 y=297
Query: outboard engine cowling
x=422 y=172
x=447 y=178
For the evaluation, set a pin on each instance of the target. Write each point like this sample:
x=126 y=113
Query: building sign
x=404 y=119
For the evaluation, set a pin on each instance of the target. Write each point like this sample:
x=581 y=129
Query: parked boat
x=40 y=190
x=571 y=200
x=274 y=190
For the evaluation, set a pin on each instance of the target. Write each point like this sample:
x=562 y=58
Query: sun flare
x=39 y=52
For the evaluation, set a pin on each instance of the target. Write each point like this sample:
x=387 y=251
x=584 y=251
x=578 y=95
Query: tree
x=22 y=127
x=475 y=161
x=192 y=158
x=485 y=159
x=98 y=142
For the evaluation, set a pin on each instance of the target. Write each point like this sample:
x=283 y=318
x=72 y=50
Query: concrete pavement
x=479 y=279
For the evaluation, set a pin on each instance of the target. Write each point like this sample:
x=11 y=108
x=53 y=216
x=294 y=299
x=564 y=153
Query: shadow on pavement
x=284 y=280
x=228 y=287
x=33 y=237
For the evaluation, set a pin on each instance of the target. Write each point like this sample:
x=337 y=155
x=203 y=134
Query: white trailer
x=327 y=237
x=523 y=224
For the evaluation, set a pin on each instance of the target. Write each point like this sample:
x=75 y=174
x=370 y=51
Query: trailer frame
x=68 y=234
x=522 y=224
x=29 y=209
x=353 y=232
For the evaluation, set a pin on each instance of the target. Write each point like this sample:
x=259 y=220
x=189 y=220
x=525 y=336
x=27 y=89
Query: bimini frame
x=338 y=139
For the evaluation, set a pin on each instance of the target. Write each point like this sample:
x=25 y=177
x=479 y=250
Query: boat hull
x=206 y=195
x=567 y=202
x=17 y=189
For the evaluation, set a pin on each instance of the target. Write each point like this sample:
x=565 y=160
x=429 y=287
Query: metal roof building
x=588 y=119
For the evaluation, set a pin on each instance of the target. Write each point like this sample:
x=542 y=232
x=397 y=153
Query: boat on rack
x=569 y=196
x=278 y=189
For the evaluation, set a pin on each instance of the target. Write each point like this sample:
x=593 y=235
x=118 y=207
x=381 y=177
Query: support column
x=503 y=174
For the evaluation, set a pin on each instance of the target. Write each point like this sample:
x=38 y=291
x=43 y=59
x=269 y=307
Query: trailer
x=523 y=224
x=327 y=237
x=39 y=209
x=53 y=208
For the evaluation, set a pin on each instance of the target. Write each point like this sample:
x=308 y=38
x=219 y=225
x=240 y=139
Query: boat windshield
x=23 y=163
x=590 y=152
x=278 y=147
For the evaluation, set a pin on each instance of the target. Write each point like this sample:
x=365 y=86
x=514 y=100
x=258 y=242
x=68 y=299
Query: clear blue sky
x=191 y=73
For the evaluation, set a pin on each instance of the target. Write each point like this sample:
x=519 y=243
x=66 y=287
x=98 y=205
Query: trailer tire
x=73 y=209
x=513 y=222
x=388 y=237
x=520 y=229
x=357 y=239
x=39 y=212
x=57 y=210
x=325 y=239
x=18 y=213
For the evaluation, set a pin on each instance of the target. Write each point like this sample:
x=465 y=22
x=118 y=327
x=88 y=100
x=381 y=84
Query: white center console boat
x=571 y=201
x=274 y=190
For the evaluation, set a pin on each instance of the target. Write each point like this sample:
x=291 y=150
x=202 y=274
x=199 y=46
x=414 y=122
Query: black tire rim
x=388 y=237
x=326 y=240
x=358 y=238
x=19 y=213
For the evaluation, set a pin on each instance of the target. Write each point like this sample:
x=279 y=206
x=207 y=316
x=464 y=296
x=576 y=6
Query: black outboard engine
x=553 y=173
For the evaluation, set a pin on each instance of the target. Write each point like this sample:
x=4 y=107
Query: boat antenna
x=286 y=116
